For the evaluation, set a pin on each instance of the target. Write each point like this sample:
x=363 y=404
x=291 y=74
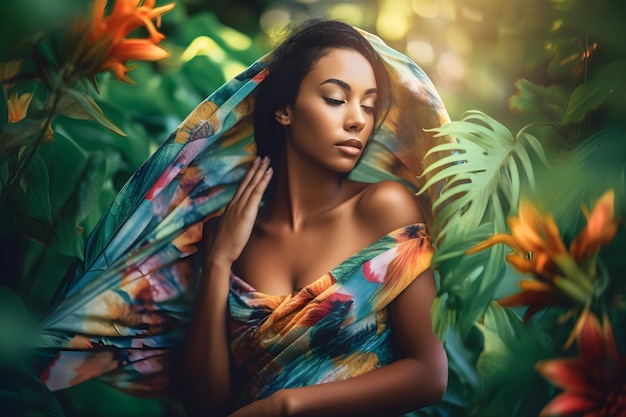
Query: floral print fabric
x=335 y=328
x=124 y=306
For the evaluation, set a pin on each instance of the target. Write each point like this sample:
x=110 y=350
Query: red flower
x=594 y=384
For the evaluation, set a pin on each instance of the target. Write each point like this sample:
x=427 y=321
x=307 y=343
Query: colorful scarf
x=120 y=312
x=335 y=328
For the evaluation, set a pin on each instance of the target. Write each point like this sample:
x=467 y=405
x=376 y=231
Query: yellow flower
x=18 y=106
x=8 y=70
x=102 y=43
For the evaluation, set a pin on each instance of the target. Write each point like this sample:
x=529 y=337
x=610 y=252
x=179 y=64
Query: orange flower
x=101 y=45
x=600 y=230
x=562 y=278
x=536 y=241
x=594 y=384
x=18 y=106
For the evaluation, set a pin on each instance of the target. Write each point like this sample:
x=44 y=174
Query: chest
x=280 y=263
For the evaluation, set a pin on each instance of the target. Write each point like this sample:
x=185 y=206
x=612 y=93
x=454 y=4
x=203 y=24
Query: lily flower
x=535 y=239
x=594 y=384
x=102 y=44
x=600 y=230
x=18 y=106
x=561 y=277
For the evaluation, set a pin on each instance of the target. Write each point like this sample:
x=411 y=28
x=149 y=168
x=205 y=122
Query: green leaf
x=497 y=165
x=26 y=132
x=36 y=184
x=510 y=384
x=582 y=175
x=484 y=173
x=79 y=204
x=592 y=94
x=468 y=285
x=533 y=98
x=4 y=174
x=4 y=107
x=81 y=105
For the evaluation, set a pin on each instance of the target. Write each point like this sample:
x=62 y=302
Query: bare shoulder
x=388 y=205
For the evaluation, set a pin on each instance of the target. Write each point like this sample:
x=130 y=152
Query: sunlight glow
x=273 y=22
x=420 y=51
x=556 y=25
x=426 y=8
x=203 y=45
x=234 y=39
x=447 y=10
x=393 y=19
x=451 y=66
x=471 y=14
x=458 y=41
x=349 y=12
x=232 y=68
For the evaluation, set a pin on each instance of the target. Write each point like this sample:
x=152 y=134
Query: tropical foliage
x=541 y=209
x=89 y=89
x=555 y=194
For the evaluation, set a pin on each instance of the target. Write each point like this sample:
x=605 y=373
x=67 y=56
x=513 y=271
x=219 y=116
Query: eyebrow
x=346 y=86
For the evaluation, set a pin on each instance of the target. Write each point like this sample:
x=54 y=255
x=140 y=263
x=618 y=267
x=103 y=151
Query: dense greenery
x=561 y=64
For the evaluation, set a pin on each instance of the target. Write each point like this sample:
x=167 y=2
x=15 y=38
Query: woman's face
x=333 y=115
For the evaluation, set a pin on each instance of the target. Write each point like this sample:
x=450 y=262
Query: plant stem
x=23 y=163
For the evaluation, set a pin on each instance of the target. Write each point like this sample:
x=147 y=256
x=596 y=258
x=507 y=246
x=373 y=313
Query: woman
x=336 y=256
x=321 y=98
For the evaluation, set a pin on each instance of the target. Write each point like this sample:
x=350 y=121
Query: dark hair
x=291 y=61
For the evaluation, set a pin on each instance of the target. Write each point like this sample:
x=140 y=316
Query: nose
x=355 y=117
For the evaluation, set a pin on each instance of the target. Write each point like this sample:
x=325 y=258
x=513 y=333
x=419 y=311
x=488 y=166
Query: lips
x=350 y=147
x=355 y=143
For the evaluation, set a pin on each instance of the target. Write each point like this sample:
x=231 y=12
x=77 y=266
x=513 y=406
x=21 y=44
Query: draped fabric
x=335 y=328
x=122 y=309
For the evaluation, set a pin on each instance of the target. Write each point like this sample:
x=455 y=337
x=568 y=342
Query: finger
x=246 y=179
x=257 y=193
x=256 y=179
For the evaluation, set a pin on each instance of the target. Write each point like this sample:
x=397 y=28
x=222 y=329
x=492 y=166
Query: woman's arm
x=418 y=379
x=205 y=357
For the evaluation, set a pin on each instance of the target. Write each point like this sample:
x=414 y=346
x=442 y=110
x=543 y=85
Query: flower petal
x=569 y=374
x=590 y=342
x=139 y=49
x=493 y=240
x=566 y=404
x=600 y=230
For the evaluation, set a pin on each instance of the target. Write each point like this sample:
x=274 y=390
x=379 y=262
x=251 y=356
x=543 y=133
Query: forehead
x=343 y=64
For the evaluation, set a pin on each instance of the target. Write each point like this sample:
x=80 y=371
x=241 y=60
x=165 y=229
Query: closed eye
x=333 y=101
x=368 y=109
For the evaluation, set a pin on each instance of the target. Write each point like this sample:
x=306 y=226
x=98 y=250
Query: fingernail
x=269 y=171
x=256 y=160
x=266 y=158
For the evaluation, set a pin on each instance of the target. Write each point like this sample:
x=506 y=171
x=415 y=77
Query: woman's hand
x=237 y=221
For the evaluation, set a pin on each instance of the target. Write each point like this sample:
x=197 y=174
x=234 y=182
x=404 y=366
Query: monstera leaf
x=485 y=173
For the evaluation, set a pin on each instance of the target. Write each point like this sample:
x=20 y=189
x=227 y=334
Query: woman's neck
x=304 y=191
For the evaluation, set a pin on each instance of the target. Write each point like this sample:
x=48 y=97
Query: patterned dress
x=123 y=309
x=335 y=328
